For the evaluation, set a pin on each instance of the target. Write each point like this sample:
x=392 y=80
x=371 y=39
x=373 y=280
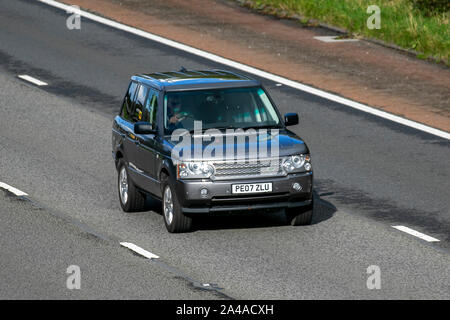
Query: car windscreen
x=219 y=108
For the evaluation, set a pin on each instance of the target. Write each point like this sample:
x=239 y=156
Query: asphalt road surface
x=370 y=175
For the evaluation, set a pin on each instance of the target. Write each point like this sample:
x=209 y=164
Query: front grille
x=248 y=169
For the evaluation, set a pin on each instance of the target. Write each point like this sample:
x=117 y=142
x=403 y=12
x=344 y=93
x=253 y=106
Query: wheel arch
x=117 y=156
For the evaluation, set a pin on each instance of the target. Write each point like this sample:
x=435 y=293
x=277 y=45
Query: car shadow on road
x=153 y=204
x=323 y=210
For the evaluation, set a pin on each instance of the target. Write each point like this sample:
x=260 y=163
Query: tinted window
x=139 y=104
x=128 y=101
x=219 y=108
x=150 y=109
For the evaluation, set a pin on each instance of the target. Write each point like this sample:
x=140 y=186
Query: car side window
x=127 y=106
x=151 y=108
x=139 y=104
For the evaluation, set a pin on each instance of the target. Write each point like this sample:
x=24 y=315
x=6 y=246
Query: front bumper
x=220 y=199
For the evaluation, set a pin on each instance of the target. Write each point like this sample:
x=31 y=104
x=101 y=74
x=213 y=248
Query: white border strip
x=331 y=39
x=415 y=233
x=32 y=80
x=139 y=250
x=254 y=71
x=17 y=192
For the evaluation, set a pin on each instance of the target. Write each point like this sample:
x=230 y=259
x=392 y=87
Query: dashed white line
x=416 y=233
x=334 y=39
x=17 y=192
x=255 y=71
x=32 y=80
x=139 y=250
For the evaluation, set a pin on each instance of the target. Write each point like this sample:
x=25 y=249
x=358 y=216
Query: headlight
x=297 y=163
x=194 y=170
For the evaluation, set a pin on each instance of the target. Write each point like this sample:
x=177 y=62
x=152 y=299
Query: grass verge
x=401 y=23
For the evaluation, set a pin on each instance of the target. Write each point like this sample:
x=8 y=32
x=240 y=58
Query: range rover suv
x=208 y=142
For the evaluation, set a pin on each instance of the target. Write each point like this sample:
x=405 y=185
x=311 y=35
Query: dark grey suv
x=208 y=142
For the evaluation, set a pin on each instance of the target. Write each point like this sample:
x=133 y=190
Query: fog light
x=296 y=186
x=204 y=192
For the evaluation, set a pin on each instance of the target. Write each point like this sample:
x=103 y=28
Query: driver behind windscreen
x=174 y=112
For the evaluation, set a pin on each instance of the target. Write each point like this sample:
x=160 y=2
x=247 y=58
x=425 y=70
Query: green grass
x=401 y=24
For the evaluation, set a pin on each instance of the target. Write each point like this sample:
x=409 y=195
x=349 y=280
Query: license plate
x=252 y=187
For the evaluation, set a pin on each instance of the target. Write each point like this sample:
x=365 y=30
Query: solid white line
x=416 y=233
x=17 y=192
x=139 y=250
x=32 y=80
x=333 y=39
x=257 y=72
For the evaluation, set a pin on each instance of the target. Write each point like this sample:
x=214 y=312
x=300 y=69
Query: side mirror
x=144 y=128
x=290 y=119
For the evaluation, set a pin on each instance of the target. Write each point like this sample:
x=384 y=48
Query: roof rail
x=220 y=71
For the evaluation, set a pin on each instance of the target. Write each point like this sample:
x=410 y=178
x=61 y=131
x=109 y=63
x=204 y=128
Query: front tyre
x=174 y=219
x=300 y=216
x=130 y=198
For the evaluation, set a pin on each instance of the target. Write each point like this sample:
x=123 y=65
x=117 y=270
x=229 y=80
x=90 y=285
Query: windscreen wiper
x=261 y=127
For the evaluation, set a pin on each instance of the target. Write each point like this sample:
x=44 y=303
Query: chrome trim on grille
x=225 y=170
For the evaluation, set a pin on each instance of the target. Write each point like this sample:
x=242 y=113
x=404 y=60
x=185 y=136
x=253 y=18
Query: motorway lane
x=37 y=247
x=62 y=159
x=369 y=165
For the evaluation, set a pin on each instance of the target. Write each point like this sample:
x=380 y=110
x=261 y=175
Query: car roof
x=195 y=80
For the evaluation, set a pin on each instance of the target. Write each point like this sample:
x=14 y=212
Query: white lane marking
x=139 y=250
x=254 y=71
x=416 y=233
x=17 y=192
x=32 y=80
x=334 y=39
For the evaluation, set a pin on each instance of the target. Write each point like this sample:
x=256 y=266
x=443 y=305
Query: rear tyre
x=300 y=216
x=174 y=219
x=130 y=198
